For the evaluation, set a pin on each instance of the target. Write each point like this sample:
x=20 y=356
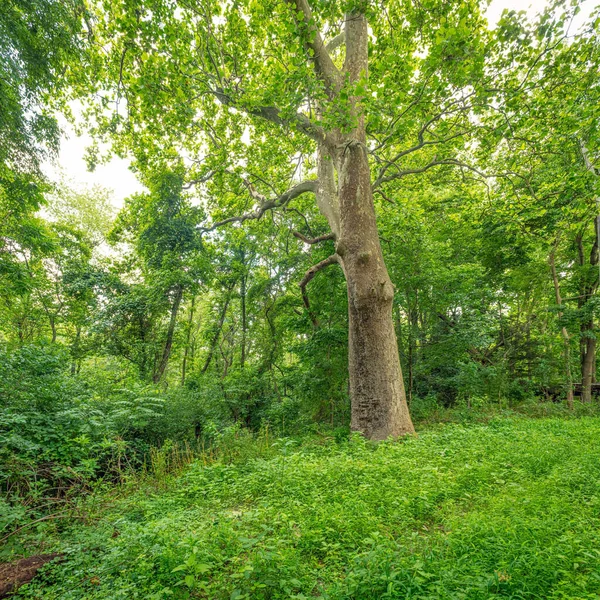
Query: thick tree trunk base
x=379 y=407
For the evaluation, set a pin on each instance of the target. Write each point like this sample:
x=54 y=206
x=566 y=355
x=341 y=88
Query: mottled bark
x=378 y=399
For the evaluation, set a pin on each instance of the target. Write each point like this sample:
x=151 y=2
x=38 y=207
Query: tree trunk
x=75 y=351
x=214 y=341
x=379 y=408
x=244 y=324
x=587 y=340
x=160 y=370
x=378 y=399
x=564 y=332
x=588 y=369
x=53 y=328
x=405 y=357
x=187 y=341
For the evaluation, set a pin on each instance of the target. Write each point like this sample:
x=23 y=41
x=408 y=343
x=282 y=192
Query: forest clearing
x=299 y=299
x=462 y=511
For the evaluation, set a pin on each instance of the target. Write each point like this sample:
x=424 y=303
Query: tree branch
x=336 y=42
x=308 y=277
x=316 y=240
x=194 y=182
x=434 y=163
x=265 y=204
x=313 y=41
x=421 y=141
x=298 y=121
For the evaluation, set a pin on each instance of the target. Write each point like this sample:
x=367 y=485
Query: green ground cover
x=507 y=509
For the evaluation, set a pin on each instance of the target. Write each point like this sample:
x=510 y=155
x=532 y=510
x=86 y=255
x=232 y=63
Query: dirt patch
x=14 y=574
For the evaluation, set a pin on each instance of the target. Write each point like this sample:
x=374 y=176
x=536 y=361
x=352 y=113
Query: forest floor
x=505 y=509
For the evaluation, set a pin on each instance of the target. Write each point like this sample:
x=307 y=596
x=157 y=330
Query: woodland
x=342 y=344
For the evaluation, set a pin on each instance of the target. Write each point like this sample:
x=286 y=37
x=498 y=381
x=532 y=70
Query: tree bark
x=162 y=365
x=379 y=407
x=187 y=341
x=564 y=332
x=378 y=399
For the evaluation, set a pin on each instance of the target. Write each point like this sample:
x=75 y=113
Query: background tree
x=161 y=226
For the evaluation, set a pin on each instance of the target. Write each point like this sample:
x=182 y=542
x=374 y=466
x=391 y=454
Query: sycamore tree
x=267 y=101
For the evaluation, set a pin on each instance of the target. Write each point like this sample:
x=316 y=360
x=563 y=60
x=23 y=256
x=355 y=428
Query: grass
x=505 y=509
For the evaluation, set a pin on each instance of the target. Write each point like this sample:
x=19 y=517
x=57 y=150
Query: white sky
x=116 y=175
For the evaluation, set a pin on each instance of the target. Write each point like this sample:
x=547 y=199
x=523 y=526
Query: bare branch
x=399 y=116
x=378 y=191
x=316 y=240
x=421 y=141
x=301 y=215
x=309 y=276
x=434 y=163
x=336 y=42
x=265 y=204
x=271 y=113
x=194 y=182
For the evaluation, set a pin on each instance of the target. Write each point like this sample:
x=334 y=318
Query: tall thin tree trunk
x=53 y=327
x=564 y=332
x=187 y=340
x=587 y=340
x=588 y=368
x=162 y=365
x=214 y=341
x=75 y=351
x=244 y=324
x=405 y=357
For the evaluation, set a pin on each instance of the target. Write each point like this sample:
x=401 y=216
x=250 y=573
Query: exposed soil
x=14 y=574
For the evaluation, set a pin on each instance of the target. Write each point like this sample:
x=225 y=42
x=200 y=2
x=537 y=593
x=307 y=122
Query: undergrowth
x=505 y=509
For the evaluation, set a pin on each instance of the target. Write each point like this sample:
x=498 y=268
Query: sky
x=116 y=176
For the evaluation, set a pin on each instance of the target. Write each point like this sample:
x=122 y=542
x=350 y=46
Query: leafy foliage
x=155 y=363
x=461 y=512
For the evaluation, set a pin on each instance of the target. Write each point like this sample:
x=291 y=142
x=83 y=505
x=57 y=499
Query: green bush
x=56 y=436
x=50 y=435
